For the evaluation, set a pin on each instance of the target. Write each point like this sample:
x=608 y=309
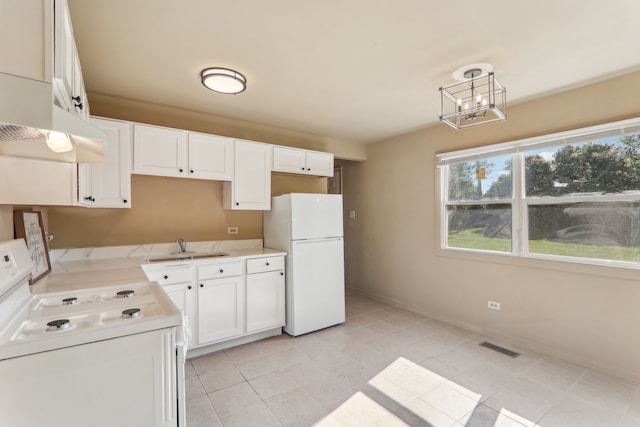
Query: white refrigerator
x=309 y=228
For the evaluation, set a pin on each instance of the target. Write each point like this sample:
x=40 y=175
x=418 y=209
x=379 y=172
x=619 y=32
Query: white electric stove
x=103 y=356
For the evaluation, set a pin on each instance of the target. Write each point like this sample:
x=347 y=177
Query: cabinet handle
x=88 y=198
x=166 y=277
x=221 y=271
x=77 y=102
x=189 y=287
x=201 y=285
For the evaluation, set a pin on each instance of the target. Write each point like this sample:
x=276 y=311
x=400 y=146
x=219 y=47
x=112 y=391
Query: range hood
x=27 y=114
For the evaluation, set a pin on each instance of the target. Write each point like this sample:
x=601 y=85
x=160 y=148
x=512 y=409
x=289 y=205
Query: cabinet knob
x=125 y=201
x=88 y=198
x=92 y=199
x=190 y=170
x=302 y=168
x=221 y=271
x=281 y=273
x=77 y=102
x=189 y=287
x=166 y=277
x=237 y=204
x=180 y=170
x=201 y=285
x=267 y=264
x=308 y=169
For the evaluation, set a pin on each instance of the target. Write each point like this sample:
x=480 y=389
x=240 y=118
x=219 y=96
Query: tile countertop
x=117 y=265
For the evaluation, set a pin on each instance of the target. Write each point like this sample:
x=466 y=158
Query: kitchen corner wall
x=582 y=313
x=164 y=209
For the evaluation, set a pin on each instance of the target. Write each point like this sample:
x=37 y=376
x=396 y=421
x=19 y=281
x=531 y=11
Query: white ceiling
x=359 y=70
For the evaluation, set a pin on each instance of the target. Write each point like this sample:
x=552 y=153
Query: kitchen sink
x=185 y=256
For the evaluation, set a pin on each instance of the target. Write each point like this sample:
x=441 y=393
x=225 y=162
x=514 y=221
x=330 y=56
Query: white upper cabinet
x=108 y=184
x=210 y=157
x=306 y=162
x=250 y=188
x=159 y=151
x=69 y=92
x=179 y=153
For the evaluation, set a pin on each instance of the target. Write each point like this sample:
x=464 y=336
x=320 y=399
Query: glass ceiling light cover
x=479 y=98
x=223 y=80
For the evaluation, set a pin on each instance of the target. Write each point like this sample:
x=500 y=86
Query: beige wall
x=587 y=314
x=164 y=209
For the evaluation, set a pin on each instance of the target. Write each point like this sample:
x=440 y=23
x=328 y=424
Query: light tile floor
x=390 y=367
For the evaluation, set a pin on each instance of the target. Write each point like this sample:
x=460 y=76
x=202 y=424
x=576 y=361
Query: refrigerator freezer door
x=315 y=216
x=315 y=285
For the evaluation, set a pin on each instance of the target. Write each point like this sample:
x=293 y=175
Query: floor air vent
x=499 y=349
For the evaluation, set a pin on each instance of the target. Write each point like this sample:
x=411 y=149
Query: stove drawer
x=215 y=271
x=170 y=275
x=261 y=265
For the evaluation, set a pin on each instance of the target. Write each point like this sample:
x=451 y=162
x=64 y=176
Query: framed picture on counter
x=28 y=225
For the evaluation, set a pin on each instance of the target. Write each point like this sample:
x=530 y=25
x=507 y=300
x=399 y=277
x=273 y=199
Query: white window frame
x=519 y=202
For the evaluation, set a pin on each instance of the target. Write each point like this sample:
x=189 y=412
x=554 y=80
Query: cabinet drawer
x=260 y=265
x=214 y=271
x=170 y=275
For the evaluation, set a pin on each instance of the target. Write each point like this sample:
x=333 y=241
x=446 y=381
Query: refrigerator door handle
x=330 y=239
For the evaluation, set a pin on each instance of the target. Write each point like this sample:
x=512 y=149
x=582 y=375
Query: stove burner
x=125 y=294
x=59 y=324
x=131 y=313
x=70 y=301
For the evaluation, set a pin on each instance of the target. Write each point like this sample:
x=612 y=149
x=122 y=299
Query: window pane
x=486 y=227
x=587 y=230
x=610 y=165
x=481 y=179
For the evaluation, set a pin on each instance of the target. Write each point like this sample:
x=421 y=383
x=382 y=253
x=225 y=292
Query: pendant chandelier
x=476 y=99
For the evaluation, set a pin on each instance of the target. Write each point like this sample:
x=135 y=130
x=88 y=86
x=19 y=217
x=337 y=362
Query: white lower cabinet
x=265 y=300
x=220 y=309
x=265 y=293
x=226 y=300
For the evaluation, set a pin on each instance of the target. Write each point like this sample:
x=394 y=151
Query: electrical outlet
x=493 y=305
x=232 y=230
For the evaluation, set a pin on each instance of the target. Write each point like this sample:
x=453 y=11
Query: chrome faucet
x=182 y=244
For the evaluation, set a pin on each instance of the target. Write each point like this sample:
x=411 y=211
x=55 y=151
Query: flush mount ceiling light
x=223 y=80
x=478 y=98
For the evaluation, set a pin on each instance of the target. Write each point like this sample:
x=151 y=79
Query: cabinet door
x=64 y=54
x=159 y=151
x=251 y=185
x=79 y=104
x=289 y=160
x=184 y=297
x=220 y=309
x=110 y=182
x=319 y=163
x=210 y=157
x=265 y=300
